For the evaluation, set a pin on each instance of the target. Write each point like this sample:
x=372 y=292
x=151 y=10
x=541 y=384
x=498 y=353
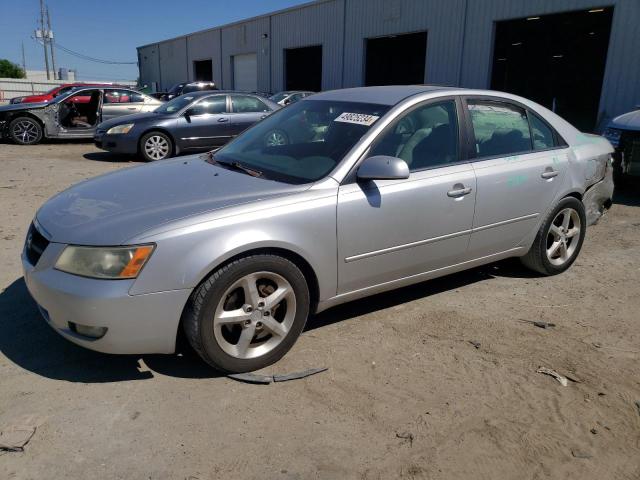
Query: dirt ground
x=406 y=394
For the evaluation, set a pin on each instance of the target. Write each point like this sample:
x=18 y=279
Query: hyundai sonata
x=368 y=189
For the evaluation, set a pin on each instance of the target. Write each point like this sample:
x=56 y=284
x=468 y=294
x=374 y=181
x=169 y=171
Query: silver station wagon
x=367 y=190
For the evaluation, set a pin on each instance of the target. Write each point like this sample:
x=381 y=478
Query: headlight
x=613 y=135
x=120 y=129
x=104 y=262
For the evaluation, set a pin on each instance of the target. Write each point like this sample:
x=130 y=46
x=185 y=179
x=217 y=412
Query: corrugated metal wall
x=443 y=21
x=459 y=42
x=242 y=38
x=319 y=24
x=173 y=61
x=205 y=46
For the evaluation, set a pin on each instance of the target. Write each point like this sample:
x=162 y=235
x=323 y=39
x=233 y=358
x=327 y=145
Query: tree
x=10 y=70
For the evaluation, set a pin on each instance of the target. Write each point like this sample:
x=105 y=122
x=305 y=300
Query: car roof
x=384 y=95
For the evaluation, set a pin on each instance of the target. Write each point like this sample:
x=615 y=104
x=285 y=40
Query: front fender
x=187 y=255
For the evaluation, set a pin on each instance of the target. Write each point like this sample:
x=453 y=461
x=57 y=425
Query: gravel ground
x=406 y=394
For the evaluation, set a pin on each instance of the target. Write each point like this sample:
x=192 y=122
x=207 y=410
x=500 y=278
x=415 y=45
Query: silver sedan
x=367 y=190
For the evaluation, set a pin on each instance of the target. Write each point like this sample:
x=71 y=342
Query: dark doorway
x=303 y=68
x=556 y=60
x=396 y=60
x=203 y=70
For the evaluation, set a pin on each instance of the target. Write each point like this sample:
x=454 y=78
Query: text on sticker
x=357 y=118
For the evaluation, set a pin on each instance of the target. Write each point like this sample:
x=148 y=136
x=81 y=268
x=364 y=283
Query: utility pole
x=24 y=61
x=50 y=38
x=43 y=35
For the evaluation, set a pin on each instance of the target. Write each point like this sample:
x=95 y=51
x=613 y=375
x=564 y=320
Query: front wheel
x=276 y=138
x=248 y=314
x=156 y=146
x=25 y=131
x=559 y=239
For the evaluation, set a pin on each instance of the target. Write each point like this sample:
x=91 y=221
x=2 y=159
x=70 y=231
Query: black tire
x=198 y=320
x=150 y=157
x=25 y=131
x=536 y=258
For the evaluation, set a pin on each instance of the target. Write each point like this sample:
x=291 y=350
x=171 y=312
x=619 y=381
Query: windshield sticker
x=357 y=118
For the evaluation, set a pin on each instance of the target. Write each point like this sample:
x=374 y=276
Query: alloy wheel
x=563 y=236
x=156 y=147
x=275 y=139
x=25 y=131
x=254 y=315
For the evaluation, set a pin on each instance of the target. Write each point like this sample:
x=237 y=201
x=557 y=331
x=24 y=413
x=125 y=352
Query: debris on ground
x=252 y=378
x=572 y=378
x=540 y=323
x=580 y=454
x=547 y=371
x=594 y=431
x=14 y=438
x=474 y=343
x=297 y=375
x=638 y=406
x=267 y=379
x=406 y=437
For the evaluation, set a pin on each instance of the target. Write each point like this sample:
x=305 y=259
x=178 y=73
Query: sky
x=112 y=29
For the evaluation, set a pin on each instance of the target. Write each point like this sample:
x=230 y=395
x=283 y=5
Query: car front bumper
x=116 y=143
x=136 y=324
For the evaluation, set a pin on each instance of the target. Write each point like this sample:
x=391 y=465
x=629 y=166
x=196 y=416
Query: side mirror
x=383 y=167
x=193 y=112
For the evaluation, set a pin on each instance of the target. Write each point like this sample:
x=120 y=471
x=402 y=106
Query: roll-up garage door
x=245 y=72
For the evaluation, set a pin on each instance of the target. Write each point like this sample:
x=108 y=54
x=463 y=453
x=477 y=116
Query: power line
x=87 y=57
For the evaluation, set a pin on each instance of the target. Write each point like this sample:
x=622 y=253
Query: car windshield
x=176 y=88
x=303 y=142
x=175 y=105
x=197 y=87
x=62 y=91
x=278 y=96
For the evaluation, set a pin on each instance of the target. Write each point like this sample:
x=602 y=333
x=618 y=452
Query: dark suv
x=188 y=87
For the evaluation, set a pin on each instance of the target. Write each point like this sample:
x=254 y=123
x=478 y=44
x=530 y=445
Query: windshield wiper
x=236 y=165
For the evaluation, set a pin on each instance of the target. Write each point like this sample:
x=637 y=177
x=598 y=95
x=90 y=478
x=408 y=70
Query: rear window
x=500 y=129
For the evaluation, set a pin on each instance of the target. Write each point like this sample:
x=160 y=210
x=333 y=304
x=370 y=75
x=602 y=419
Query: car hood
x=22 y=106
x=628 y=121
x=113 y=208
x=133 y=118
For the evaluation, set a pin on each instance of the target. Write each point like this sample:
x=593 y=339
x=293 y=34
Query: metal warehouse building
x=579 y=57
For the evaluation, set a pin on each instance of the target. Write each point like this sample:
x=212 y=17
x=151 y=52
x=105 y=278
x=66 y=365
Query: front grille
x=35 y=245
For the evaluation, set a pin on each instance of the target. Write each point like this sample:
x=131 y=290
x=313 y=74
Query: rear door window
x=246 y=104
x=121 y=96
x=499 y=128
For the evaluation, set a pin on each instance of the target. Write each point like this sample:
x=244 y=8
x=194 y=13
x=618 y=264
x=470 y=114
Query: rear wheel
x=248 y=314
x=156 y=146
x=559 y=239
x=25 y=131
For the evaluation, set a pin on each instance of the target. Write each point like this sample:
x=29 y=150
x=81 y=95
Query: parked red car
x=59 y=90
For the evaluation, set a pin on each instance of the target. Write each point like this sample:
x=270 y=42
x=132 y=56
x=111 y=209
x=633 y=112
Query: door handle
x=131 y=108
x=549 y=173
x=222 y=120
x=459 y=190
